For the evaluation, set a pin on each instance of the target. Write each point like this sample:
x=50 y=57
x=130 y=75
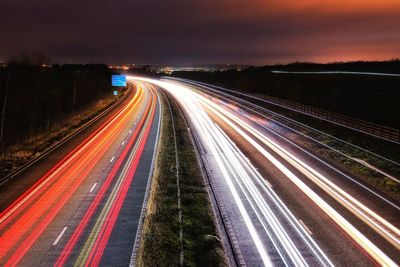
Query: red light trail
x=24 y=221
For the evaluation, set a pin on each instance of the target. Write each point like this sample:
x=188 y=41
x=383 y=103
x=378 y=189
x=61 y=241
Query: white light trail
x=386 y=229
x=244 y=180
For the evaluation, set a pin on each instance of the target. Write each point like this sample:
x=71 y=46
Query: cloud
x=187 y=32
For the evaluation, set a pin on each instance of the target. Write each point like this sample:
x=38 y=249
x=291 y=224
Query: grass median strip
x=160 y=245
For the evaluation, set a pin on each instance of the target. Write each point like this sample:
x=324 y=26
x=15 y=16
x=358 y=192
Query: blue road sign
x=118 y=80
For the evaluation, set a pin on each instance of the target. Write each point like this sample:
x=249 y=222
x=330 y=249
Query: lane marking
x=123 y=181
x=59 y=236
x=268 y=183
x=122 y=143
x=112 y=159
x=130 y=131
x=305 y=227
x=91 y=190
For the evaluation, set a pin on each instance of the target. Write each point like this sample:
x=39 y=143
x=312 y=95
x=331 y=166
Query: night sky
x=201 y=31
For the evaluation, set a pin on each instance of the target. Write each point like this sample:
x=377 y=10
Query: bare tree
x=74 y=98
x=29 y=59
x=3 y=113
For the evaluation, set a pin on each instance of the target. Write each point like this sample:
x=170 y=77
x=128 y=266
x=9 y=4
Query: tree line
x=35 y=96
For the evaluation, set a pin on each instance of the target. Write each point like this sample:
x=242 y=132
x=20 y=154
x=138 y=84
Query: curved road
x=284 y=205
x=86 y=208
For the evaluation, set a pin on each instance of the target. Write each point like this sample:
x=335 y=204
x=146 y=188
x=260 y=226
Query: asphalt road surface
x=82 y=203
x=284 y=205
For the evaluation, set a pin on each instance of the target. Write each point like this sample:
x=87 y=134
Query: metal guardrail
x=53 y=147
x=219 y=208
x=377 y=130
x=366 y=127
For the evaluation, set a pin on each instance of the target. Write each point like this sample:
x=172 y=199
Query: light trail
x=231 y=95
x=24 y=221
x=241 y=178
x=253 y=108
x=386 y=229
x=95 y=243
x=289 y=239
x=62 y=165
x=361 y=240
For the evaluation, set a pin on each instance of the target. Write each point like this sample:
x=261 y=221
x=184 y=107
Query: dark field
x=372 y=98
x=33 y=99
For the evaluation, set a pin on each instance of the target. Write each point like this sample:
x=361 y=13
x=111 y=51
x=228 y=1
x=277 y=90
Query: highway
x=82 y=203
x=283 y=205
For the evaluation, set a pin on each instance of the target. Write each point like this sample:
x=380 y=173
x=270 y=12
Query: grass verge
x=160 y=245
x=362 y=172
x=19 y=154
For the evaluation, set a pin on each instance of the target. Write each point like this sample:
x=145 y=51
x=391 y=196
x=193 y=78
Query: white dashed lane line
x=93 y=187
x=305 y=227
x=59 y=236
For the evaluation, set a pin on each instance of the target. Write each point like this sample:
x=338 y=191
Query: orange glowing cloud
x=206 y=31
x=297 y=7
